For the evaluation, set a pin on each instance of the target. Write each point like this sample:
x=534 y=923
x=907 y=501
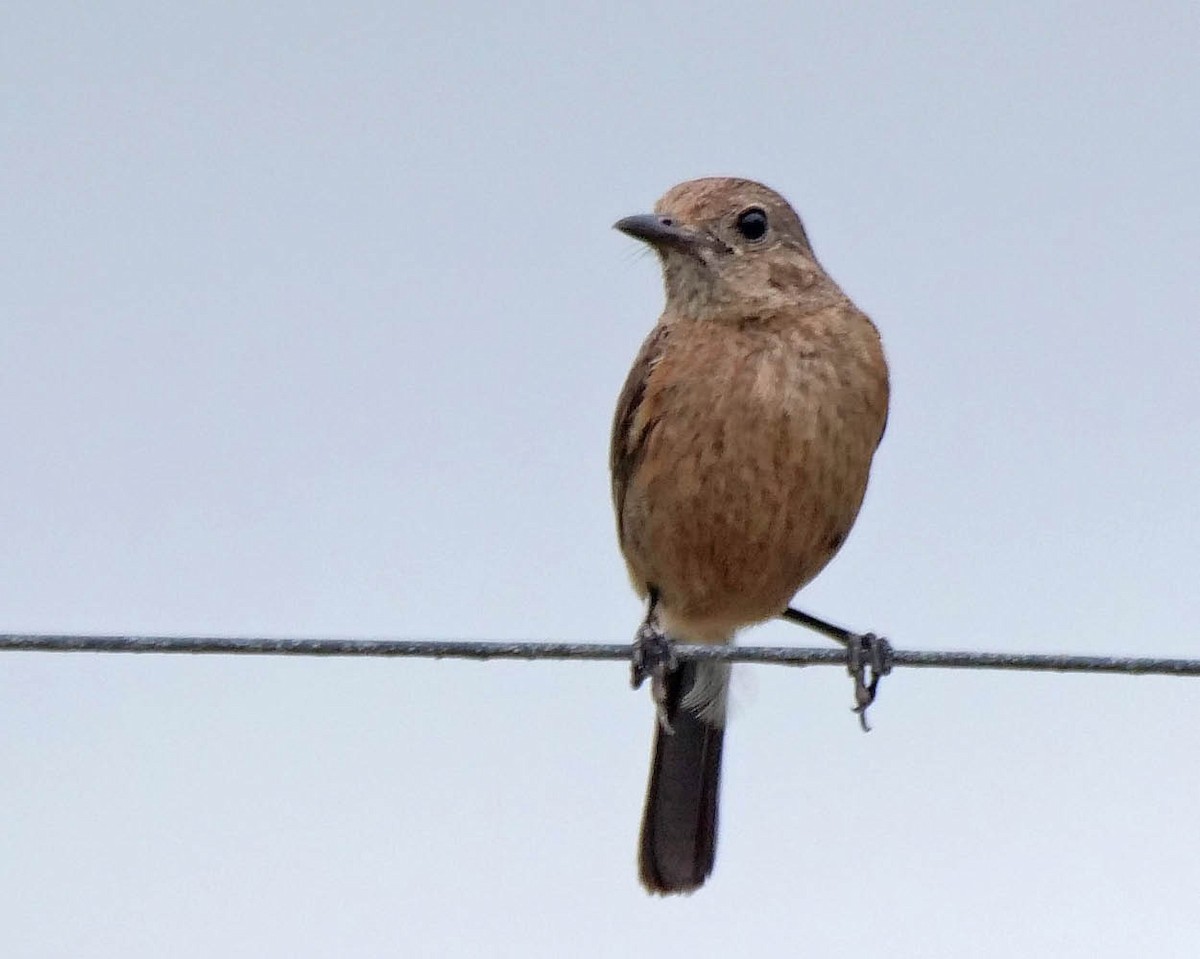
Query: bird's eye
x=752 y=223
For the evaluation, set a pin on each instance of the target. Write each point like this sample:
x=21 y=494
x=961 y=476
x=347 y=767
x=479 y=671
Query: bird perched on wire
x=741 y=447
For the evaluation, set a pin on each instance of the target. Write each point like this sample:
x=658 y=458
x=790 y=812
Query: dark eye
x=752 y=223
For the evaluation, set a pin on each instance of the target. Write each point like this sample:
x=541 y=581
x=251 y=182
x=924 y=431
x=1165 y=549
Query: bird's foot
x=654 y=657
x=868 y=659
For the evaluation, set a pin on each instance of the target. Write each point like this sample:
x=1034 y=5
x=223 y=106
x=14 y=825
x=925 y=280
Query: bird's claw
x=654 y=657
x=868 y=659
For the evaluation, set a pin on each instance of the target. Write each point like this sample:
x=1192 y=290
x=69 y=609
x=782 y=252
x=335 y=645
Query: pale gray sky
x=312 y=324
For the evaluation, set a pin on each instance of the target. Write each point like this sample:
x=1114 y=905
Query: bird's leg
x=837 y=633
x=868 y=658
x=654 y=656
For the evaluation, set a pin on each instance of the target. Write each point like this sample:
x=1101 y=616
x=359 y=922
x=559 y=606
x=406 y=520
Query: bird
x=741 y=448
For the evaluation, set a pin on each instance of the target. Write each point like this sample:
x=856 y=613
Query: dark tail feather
x=679 y=826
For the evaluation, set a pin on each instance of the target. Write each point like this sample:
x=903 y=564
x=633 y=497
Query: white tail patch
x=709 y=696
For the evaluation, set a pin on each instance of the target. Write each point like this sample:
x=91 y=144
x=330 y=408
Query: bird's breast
x=756 y=455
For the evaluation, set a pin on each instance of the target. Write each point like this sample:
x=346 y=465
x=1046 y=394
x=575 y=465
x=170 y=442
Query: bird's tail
x=679 y=825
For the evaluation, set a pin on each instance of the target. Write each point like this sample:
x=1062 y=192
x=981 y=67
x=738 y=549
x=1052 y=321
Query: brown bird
x=741 y=447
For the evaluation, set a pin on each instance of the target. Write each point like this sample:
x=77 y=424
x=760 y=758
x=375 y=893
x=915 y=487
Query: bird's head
x=732 y=250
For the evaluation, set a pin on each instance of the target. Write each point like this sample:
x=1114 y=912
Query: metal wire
x=475 y=649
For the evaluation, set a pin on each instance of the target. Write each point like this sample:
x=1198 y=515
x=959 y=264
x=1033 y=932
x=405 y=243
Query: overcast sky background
x=312 y=322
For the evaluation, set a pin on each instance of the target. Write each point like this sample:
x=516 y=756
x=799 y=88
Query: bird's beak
x=661 y=232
